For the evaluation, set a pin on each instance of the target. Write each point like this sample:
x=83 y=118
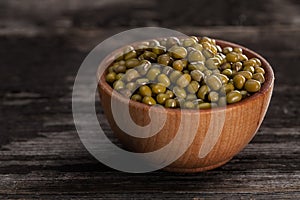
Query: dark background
x=42 y=44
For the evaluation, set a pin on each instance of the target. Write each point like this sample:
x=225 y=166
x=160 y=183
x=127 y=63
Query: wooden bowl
x=242 y=120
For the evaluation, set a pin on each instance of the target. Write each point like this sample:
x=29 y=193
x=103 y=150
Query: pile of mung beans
x=192 y=73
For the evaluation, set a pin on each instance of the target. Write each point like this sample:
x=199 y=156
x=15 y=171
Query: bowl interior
x=269 y=81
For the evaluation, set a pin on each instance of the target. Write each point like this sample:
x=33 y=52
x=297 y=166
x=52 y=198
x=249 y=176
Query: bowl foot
x=199 y=169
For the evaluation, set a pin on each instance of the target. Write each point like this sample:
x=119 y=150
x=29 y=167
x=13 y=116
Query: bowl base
x=193 y=170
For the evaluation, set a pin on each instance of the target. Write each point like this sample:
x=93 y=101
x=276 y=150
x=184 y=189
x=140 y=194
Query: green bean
x=183 y=80
x=249 y=69
x=153 y=73
x=161 y=98
x=191 y=97
x=259 y=77
x=204 y=106
x=252 y=85
x=239 y=81
x=170 y=103
x=246 y=74
x=118 y=85
x=110 y=77
x=149 y=100
x=178 y=52
x=170 y=94
x=178 y=65
x=159 y=49
x=213 y=96
x=197 y=75
x=213 y=82
x=259 y=70
x=203 y=91
x=195 y=56
x=136 y=97
x=233 y=97
x=164 y=80
x=145 y=90
x=210 y=64
x=131 y=86
x=164 y=59
x=131 y=74
x=142 y=81
x=131 y=63
x=227 y=50
x=179 y=92
x=237 y=66
x=232 y=57
x=158 y=88
x=188 y=105
x=129 y=55
x=174 y=76
x=193 y=87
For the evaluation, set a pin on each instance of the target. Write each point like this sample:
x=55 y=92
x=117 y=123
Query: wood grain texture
x=41 y=156
x=49 y=162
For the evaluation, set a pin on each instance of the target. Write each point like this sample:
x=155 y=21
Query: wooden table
x=41 y=156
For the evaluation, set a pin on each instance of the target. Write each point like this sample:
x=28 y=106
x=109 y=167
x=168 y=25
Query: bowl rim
x=268 y=84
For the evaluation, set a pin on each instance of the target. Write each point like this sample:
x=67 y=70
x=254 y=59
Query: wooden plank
x=42 y=157
x=60 y=155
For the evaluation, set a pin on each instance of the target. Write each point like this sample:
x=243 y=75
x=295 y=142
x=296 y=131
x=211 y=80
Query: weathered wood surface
x=41 y=156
